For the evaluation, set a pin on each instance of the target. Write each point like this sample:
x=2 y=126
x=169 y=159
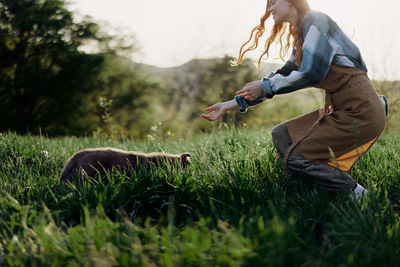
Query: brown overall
x=353 y=116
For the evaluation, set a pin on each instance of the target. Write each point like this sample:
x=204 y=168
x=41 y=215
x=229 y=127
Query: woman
x=324 y=145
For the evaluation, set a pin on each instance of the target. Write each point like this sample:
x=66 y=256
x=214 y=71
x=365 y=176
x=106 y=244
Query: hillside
x=172 y=75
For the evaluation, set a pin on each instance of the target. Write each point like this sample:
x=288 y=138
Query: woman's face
x=283 y=11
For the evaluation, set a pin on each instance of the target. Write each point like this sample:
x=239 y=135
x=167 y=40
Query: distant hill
x=172 y=75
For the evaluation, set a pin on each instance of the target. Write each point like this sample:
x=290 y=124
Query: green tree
x=44 y=76
x=131 y=94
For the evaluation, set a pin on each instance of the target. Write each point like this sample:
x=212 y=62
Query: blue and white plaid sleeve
x=289 y=66
x=317 y=58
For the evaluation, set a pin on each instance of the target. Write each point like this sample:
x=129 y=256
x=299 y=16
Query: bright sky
x=171 y=32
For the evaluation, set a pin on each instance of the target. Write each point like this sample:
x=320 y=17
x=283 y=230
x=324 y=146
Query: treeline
x=49 y=83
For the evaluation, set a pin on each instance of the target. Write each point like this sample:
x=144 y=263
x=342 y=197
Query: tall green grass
x=230 y=207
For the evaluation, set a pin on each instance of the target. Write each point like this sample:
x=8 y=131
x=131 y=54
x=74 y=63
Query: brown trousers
x=301 y=169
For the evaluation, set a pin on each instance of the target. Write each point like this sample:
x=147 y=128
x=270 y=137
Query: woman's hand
x=251 y=91
x=217 y=110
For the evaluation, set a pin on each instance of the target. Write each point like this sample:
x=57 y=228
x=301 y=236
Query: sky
x=172 y=32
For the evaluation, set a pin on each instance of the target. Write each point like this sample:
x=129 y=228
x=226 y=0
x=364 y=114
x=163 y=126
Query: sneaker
x=359 y=192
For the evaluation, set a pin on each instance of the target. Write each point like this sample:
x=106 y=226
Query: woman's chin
x=277 y=20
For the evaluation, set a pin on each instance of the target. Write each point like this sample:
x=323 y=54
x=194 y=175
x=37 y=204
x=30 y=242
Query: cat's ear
x=185 y=157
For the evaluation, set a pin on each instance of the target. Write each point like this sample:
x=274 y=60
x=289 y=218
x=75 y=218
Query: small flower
x=45 y=154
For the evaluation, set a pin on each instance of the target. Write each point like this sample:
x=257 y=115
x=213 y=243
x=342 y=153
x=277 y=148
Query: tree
x=130 y=93
x=44 y=77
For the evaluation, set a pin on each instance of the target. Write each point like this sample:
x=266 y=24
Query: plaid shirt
x=324 y=43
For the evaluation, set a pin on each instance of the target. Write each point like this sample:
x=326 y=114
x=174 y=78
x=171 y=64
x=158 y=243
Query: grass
x=229 y=208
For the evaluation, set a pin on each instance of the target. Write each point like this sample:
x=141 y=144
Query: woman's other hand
x=251 y=91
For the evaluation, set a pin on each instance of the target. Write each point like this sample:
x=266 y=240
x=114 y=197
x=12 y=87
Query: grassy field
x=230 y=208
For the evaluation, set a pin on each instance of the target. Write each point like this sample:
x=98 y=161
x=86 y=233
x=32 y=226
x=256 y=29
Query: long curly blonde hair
x=288 y=35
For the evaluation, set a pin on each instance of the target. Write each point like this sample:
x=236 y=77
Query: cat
x=91 y=161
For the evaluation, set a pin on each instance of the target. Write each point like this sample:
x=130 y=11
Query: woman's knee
x=280 y=136
x=277 y=132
